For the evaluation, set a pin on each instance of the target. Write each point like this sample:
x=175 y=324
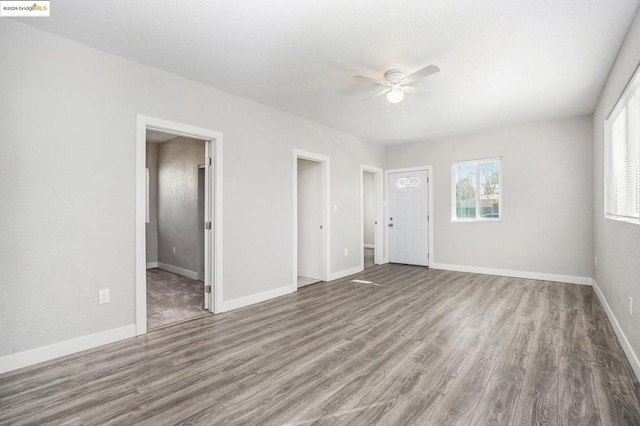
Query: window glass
x=476 y=190
x=408 y=182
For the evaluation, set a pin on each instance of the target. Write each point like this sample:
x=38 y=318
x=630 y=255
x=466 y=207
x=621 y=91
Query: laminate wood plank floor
x=415 y=346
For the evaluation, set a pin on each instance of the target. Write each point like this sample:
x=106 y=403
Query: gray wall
x=178 y=218
x=546 y=173
x=617 y=244
x=75 y=160
x=152 y=227
x=368 y=206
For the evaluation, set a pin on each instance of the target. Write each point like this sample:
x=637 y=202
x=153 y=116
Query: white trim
x=151 y=265
x=344 y=273
x=326 y=211
x=147 y=195
x=228 y=305
x=142 y=124
x=571 y=279
x=624 y=342
x=180 y=271
x=429 y=170
x=379 y=194
x=56 y=350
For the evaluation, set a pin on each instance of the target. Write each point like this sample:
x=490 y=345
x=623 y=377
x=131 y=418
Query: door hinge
x=207 y=289
x=207 y=226
x=427 y=218
x=209 y=159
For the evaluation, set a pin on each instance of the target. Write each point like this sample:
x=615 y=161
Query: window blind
x=622 y=172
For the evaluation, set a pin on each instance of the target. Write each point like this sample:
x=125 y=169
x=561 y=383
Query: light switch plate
x=103 y=296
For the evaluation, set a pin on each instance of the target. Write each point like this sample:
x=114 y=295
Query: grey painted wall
x=75 y=160
x=178 y=216
x=152 y=226
x=368 y=206
x=617 y=244
x=546 y=171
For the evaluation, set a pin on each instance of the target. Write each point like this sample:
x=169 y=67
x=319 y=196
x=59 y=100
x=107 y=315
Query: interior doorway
x=371 y=216
x=175 y=229
x=310 y=218
x=192 y=248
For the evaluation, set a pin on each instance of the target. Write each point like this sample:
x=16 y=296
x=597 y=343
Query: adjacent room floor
x=304 y=281
x=368 y=258
x=422 y=346
x=172 y=298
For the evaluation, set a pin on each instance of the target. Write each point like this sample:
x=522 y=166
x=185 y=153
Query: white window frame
x=632 y=86
x=454 y=215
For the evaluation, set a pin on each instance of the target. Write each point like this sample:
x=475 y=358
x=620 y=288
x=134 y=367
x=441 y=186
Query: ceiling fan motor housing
x=395 y=76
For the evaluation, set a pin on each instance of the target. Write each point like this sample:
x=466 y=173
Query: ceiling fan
x=395 y=82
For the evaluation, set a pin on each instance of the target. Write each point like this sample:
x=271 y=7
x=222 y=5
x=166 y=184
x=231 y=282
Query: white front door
x=408 y=218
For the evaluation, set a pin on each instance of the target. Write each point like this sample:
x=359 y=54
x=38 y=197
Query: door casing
x=213 y=238
x=378 y=255
x=325 y=169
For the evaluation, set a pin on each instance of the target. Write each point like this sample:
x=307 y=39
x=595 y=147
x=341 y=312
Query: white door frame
x=378 y=194
x=429 y=170
x=326 y=197
x=214 y=244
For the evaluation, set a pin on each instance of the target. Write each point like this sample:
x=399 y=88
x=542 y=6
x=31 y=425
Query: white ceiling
x=502 y=61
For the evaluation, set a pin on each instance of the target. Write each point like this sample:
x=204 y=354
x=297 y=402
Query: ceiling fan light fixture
x=395 y=95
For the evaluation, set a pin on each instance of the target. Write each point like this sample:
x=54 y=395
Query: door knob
x=390 y=225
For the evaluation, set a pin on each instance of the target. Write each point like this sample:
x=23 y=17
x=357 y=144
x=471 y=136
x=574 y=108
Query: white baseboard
x=180 y=271
x=571 y=279
x=152 y=265
x=56 y=350
x=229 y=305
x=624 y=342
x=369 y=245
x=344 y=273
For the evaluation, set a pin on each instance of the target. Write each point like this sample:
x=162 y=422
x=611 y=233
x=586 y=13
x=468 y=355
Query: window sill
x=623 y=219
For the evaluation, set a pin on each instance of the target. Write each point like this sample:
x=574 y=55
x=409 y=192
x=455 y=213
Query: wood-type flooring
x=420 y=347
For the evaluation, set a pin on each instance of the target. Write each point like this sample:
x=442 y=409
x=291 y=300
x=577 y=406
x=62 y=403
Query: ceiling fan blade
x=375 y=95
x=424 y=72
x=369 y=80
x=411 y=89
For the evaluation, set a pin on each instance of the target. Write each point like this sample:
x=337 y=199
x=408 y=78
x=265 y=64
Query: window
x=476 y=190
x=622 y=156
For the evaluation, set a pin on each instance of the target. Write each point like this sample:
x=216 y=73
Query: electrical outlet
x=173 y=249
x=103 y=296
x=346 y=252
x=630 y=306
x=595 y=261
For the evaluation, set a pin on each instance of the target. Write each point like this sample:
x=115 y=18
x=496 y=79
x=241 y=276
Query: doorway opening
x=371 y=215
x=311 y=186
x=178 y=222
x=175 y=229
